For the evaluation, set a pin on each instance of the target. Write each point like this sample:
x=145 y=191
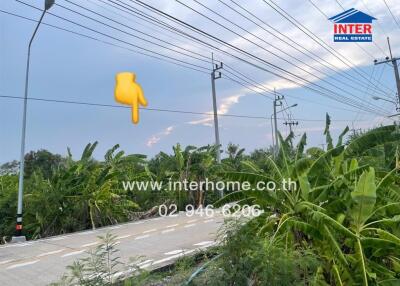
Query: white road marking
x=173 y=252
x=209 y=220
x=203 y=243
x=150 y=230
x=6 y=261
x=145 y=265
x=58 y=238
x=144 y=262
x=168 y=230
x=190 y=225
x=22 y=264
x=139 y=222
x=85 y=232
x=90 y=244
x=51 y=252
x=172 y=225
x=123 y=236
x=20 y=244
x=142 y=236
x=115 y=227
x=193 y=220
x=158 y=218
x=173 y=256
x=74 y=253
x=208 y=245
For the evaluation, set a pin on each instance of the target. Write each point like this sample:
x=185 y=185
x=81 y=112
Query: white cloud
x=154 y=139
x=223 y=108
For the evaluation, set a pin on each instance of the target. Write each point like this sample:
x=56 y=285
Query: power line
x=247 y=79
x=366 y=92
x=152 y=25
x=391 y=13
x=181 y=64
x=166 y=15
x=252 y=82
x=244 y=85
x=108 y=43
x=136 y=11
x=295 y=45
x=247 y=31
x=151 y=109
x=320 y=42
x=94 y=30
x=136 y=30
x=114 y=38
x=204 y=58
x=379 y=24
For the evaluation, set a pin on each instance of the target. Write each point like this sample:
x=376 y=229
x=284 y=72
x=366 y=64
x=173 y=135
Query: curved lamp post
x=18 y=229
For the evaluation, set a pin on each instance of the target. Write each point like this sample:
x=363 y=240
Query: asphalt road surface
x=159 y=241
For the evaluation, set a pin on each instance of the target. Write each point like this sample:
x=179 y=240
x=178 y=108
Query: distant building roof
x=352 y=16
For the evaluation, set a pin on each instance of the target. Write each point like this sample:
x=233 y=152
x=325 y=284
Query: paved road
x=159 y=240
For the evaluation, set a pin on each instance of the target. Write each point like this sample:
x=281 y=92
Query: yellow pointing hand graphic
x=128 y=92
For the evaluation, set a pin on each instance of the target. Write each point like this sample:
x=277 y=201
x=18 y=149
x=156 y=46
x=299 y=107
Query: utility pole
x=277 y=102
x=18 y=229
x=216 y=74
x=395 y=67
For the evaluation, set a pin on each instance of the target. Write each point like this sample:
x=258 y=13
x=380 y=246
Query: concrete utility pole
x=18 y=229
x=215 y=74
x=395 y=67
x=277 y=102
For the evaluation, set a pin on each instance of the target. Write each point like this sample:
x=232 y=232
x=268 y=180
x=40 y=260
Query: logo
x=352 y=26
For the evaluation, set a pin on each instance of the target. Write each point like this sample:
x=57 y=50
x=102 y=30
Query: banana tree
x=341 y=208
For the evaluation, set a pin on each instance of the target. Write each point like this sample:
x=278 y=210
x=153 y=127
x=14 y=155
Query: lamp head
x=48 y=4
x=376 y=97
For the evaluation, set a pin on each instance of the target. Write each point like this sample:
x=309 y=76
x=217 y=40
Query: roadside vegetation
x=339 y=226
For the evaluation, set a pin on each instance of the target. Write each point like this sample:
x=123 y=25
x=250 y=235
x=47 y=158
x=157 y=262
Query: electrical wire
x=318 y=40
x=247 y=79
x=150 y=109
x=112 y=37
x=133 y=35
x=181 y=63
x=391 y=13
x=76 y=33
x=287 y=40
x=356 y=105
x=159 y=58
x=247 y=31
x=134 y=10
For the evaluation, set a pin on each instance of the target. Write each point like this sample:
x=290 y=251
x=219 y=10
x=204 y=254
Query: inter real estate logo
x=352 y=26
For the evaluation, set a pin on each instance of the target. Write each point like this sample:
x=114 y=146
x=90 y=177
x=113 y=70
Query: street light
x=18 y=233
x=388 y=100
x=381 y=98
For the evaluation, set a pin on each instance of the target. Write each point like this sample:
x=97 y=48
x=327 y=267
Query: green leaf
x=364 y=197
x=340 y=140
x=305 y=187
x=327 y=133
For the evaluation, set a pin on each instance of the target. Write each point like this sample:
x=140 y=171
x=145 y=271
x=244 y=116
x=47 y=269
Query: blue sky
x=68 y=67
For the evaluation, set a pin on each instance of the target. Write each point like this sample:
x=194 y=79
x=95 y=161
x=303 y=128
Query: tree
x=343 y=209
x=42 y=161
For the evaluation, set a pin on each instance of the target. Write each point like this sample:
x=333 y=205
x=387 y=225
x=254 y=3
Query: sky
x=65 y=66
